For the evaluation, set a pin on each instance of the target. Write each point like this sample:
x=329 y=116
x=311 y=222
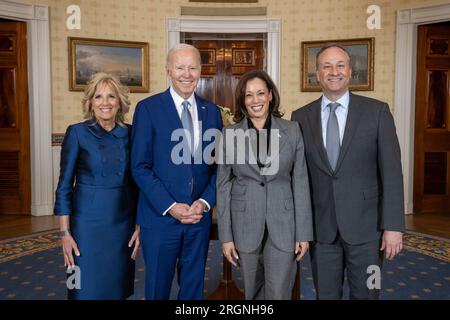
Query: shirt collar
x=343 y=101
x=177 y=99
x=96 y=129
x=267 y=123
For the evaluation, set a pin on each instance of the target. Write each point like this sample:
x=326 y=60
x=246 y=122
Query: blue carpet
x=31 y=267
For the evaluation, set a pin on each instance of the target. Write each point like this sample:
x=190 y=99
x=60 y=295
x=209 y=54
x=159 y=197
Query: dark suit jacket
x=364 y=195
x=161 y=181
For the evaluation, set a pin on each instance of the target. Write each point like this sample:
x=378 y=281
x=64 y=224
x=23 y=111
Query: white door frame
x=40 y=102
x=405 y=83
x=272 y=27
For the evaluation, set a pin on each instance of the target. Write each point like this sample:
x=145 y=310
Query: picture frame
x=127 y=60
x=208 y=57
x=243 y=57
x=361 y=57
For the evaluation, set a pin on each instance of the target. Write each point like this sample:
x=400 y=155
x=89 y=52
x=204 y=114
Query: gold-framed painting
x=127 y=60
x=208 y=57
x=361 y=57
x=243 y=57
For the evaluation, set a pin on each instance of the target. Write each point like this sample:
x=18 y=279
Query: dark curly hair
x=240 y=111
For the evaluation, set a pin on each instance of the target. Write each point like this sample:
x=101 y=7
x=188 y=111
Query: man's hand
x=183 y=213
x=180 y=211
x=392 y=243
x=197 y=209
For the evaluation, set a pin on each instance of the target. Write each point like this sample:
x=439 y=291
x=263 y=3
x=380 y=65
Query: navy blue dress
x=96 y=189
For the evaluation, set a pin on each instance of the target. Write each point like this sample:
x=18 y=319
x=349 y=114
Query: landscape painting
x=127 y=60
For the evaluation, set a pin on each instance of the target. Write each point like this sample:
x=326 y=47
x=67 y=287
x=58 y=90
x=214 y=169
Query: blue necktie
x=186 y=120
x=332 y=138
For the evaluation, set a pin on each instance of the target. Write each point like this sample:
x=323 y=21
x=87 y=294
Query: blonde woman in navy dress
x=96 y=198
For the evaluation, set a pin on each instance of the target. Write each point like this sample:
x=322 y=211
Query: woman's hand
x=229 y=251
x=69 y=245
x=300 y=249
x=137 y=242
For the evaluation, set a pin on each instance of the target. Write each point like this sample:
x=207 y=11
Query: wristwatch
x=65 y=232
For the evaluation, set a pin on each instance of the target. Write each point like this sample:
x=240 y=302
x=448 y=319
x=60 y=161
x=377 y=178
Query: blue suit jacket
x=160 y=180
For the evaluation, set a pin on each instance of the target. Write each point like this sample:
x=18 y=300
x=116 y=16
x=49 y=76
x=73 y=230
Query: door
x=15 y=180
x=432 y=120
x=223 y=62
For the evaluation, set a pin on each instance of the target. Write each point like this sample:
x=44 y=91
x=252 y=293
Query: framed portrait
x=243 y=57
x=208 y=57
x=127 y=60
x=362 y=62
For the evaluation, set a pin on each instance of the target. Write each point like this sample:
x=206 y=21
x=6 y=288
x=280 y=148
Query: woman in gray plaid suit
x=263 y=200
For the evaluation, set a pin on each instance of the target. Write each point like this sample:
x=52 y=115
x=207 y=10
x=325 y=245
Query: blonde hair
x=97 y=80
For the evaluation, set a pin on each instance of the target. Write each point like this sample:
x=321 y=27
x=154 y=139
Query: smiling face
x=334 y=72
x=183 y=71
x=257 y=99
x=105 y=104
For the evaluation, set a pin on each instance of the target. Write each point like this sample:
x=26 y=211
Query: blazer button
x=119 y=173
x=262 y=184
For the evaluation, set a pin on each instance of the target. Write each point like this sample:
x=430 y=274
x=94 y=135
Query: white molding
x=405 y=84
x=430 y=14
x=40 y=102
x=270 y=26
x=16 y=10
x=273 y=50
x=41 y=12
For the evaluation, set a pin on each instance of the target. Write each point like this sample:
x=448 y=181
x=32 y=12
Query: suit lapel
x=202 y=117
x=250 y=155
x=354 y=113
x=173 y=118
x=277 y=131
x=202 y=113
x=277 y=124
x=315 y=123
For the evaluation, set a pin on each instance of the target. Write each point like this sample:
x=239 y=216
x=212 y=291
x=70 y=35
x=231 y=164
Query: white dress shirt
x=341 y=114
x=192 y=108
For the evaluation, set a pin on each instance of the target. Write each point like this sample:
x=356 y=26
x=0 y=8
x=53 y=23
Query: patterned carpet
x=31 y=267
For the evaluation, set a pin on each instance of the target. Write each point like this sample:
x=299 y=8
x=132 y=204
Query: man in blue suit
x=175 y=198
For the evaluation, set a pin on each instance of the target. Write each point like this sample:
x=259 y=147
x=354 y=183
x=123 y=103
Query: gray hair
x=180 y=47
x=331 y=45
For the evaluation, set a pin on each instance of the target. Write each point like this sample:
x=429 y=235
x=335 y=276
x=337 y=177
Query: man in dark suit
x=177 y=189
x=353 y=158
